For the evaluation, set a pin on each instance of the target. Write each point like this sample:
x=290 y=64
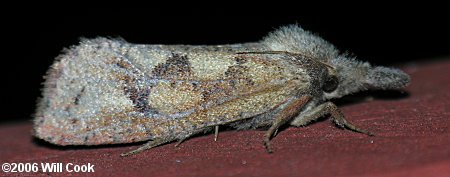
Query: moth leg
x=216 y=132
x=275 y=133
x=285 y=115
x=324 y=109
x=148 y=145
x=339 y=119
x=312 y=115
x=181 y=140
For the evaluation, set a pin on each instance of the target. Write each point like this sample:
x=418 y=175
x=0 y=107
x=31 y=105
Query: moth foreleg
x=311 y=115
x=327 y=108
x=284 y=116
x=339 y=119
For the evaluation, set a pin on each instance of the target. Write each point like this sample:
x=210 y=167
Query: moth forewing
x=103 y=97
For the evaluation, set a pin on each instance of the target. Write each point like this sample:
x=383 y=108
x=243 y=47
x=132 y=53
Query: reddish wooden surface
x=412 y=139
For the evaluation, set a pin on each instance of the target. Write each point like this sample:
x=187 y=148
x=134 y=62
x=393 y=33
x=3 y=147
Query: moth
x=109 y=91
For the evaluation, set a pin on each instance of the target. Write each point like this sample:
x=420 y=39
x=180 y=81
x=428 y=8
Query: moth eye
x=331 y=84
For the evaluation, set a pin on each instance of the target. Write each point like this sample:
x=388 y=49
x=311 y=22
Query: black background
x=33 y=38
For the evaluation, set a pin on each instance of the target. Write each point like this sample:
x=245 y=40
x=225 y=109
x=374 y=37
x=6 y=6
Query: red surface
x=412 y=139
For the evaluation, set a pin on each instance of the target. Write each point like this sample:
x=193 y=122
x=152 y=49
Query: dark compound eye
x=331 y=84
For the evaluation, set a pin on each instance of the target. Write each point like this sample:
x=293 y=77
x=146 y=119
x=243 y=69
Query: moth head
x=349 y=75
